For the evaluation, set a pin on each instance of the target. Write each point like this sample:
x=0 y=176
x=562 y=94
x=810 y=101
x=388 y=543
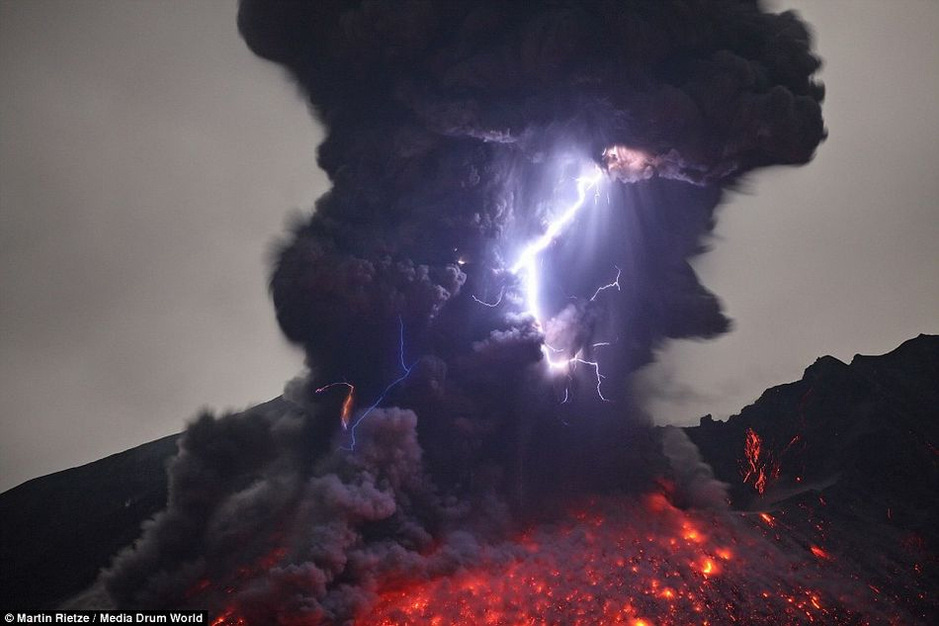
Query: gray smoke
x=695 y=484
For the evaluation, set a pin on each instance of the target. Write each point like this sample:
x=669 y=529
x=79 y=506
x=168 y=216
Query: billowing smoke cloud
x=309 y=540
x=456 y=133
x=450 y=126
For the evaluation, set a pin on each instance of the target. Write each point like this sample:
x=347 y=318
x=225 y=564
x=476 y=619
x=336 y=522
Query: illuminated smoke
x=456 y=131
x=516 y=188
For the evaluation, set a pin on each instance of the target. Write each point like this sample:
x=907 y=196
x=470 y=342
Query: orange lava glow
x=602 y=567
x=229 y=618
x=347 y=407
x=230 y=615
x=820 y=553
x=345 y=413
x=758 y=468
x=610 y=560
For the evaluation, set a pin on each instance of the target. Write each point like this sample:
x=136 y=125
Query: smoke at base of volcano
x=430 y=426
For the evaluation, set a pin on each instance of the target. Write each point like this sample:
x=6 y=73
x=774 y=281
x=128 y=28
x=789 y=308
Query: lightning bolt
x=596 y=369
x=491 y=305
x=615 y=284
x=527 y=265
x=526 y=268
x=405 y=372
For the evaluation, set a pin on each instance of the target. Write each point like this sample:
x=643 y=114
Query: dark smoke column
x=456 y=131
x=452 y=128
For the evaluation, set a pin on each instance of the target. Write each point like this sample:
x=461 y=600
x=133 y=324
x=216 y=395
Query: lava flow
x=632 y=562
x=758 y=467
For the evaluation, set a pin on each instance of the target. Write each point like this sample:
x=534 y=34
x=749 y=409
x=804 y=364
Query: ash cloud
x=454 y=131
x=449 y=126
x=309 y=540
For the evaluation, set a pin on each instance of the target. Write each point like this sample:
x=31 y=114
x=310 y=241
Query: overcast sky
x=148 y=160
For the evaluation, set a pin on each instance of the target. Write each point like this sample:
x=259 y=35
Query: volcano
x=852 y=501
x=517 y=191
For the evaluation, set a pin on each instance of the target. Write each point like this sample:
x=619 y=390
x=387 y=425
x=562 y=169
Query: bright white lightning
x=596 y=370
x=527 y=266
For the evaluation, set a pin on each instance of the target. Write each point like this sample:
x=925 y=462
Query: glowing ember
x=766 y=517
x=819 y=552
x=346 y=412
x=229 y=618
x=232 y=583
x=758 y=467
x=619 y=563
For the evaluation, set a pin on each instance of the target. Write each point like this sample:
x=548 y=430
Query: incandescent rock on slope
x=851 y=456
x=871 y=425
x=857 y=447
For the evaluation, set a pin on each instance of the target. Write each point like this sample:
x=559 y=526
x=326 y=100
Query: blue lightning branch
x=406 y=369
x=615 y=283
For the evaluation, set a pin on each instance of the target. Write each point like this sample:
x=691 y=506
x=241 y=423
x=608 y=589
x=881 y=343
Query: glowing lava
x=346 y=412
x=617 y=562
x=758 y=467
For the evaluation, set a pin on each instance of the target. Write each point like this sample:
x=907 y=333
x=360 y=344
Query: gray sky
x=148 y=160
x=840 y=256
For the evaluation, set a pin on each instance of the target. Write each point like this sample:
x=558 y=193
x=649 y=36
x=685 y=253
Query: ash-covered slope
x=58 y=531
x=844 y=464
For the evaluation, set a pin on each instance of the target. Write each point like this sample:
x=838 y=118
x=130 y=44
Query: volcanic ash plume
x=516 y=191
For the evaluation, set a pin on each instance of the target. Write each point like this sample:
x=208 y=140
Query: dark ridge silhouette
x=60 y=530
x=872 y=424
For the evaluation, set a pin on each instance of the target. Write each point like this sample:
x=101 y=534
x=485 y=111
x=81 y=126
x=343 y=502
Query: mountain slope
x=60 y=529
x=848 y=453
